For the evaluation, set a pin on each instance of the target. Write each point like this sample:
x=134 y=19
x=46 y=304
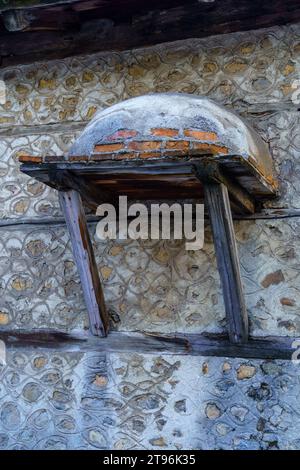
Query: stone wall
x=131 y=401
x=135 y=401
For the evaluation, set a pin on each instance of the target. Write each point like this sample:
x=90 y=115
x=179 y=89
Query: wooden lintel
x=152 y=343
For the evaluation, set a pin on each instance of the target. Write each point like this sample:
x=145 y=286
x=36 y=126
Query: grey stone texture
x=135 y=401
x=125 y=401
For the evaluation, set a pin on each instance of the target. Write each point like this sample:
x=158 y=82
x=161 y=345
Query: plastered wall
x=133 y=400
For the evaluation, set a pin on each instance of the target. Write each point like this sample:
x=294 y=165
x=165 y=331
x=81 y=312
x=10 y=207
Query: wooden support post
x=217 y=200
x=71 y=204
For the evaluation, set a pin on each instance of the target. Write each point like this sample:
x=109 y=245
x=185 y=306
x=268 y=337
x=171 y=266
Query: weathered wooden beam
x=91 y=194
x=217 y=200
x=120 y=25
x=29 y=4
x=242 y=200
x=103 y=167
x=151 y=343
x=267 y=214
x=84 y=256
x=81 y=5
x=239 y=197
x=15 y=20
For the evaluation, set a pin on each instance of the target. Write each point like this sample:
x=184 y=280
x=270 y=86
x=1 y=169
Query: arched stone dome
x=164 y=129
x=164 y=124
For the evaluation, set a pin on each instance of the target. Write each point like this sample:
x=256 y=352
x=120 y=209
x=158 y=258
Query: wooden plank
x=84 y=256
x=217 y=200
x=151 y=343
x=206 y=169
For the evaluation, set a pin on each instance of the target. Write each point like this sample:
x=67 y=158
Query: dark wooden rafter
x=92 y=195
x=45 y=29
x=240 y=199
x=71 y=204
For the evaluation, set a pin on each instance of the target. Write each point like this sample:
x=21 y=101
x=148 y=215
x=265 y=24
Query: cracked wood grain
x=85 y=260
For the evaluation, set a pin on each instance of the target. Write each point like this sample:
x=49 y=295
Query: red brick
x=151 y=155
x=30 y=159
x=209 y=148
x=110 y=148
x=127 y=155
x=144 y=146
x=177 y=145
x=200 y=135
x=122 y=134
x=164 y=132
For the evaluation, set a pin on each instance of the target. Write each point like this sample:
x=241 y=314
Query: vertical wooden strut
x=217 y=200
x=85 y=260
